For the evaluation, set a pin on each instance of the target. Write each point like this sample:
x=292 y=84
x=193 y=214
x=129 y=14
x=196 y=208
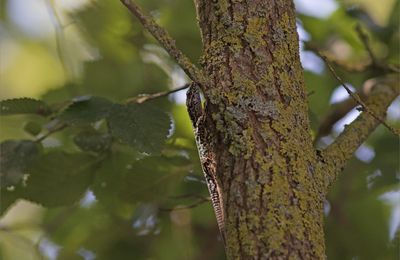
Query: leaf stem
x=51 y=131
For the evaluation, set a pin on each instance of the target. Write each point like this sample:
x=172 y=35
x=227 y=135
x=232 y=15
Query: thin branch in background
x=139 y=99
x=167 y=42
x=59 y=40
x=190 y=206
x=374 y=60
x=337 y=154
x=357 y=98
x=59 y=34
x=365 y=40
x=186 y=196
x=146 y=97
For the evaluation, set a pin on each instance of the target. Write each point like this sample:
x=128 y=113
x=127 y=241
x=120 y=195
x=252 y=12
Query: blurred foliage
x=109 y=179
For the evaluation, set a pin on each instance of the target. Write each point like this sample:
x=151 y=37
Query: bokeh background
x=56 y=50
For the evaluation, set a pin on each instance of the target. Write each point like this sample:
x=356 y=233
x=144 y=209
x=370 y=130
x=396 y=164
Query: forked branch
x=336 y=155
x=358 y=99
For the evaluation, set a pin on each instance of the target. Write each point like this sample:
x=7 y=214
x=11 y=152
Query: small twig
x=199 y=202
x=59 y=39
x=312 y=92
x=167 y=42
x=365 y=40
x=374 y=60
x=59 y=34
x=186 y=196
x=357 y=98
x=50 y=132
x=146 y=97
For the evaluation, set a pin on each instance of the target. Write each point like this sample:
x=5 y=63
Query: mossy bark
x=255 y=140
x=258 y=120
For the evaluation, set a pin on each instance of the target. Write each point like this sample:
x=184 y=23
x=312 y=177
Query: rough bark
x=336 y=155
x=257 y=117
x=255 y=138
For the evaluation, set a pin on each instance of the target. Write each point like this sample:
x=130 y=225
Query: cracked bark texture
x=257 y=117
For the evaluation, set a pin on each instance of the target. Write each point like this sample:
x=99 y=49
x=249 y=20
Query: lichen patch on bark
x=256 y=104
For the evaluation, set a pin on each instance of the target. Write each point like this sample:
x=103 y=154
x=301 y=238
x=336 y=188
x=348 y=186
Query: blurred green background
x=56 y=50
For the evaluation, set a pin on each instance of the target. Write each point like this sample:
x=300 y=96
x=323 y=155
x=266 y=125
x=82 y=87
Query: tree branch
x=337 y=112
x=146 y=97
x=335 y=156
x=167 y=42
x=59 y=35
x=358 y=99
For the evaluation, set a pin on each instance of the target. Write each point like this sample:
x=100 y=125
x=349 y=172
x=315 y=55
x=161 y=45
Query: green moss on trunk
x=258 y=119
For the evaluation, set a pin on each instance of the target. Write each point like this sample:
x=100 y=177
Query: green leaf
x=15 y=158
x=143 y=126
x=8 y=197
x=91 y=140
x=55 y=179
x=19 y=106
x=59 y=178
x=122 y=179
x=109 y=178
x=33 y=128
x=152 y=178
x=86 y=109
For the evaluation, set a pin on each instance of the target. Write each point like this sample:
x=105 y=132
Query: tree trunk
x=266 y=180
x=257 y=119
